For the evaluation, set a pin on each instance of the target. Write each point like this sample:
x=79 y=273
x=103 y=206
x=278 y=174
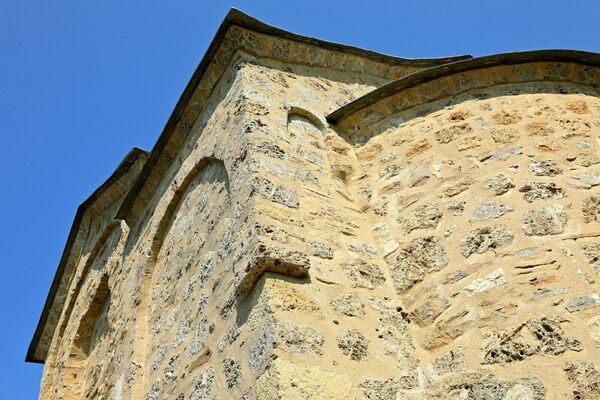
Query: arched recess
x=96 y=260
x=184 y=235
x=78 y=323
x=302 y=122
x=208 y=171
x=89 y=348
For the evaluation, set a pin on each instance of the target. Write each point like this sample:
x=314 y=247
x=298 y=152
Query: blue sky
x=81 y=82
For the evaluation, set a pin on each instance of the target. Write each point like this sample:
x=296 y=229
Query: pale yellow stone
x=272 y=253
x=288 y=381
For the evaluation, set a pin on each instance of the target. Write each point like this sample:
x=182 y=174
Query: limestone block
x=425 y=216
x=499 y=183
x=421 y=257
x=490 y=210
x=541 y=191
x=286 y=380
x=353 y=344
x=487 y=238
x=349 y=304
x=544 y=168
x=544 y=220
x=584 y=379
x=583 y=302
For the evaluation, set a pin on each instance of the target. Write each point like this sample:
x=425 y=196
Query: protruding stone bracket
x=264 y=259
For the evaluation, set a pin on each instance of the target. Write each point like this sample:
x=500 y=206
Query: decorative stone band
x=432 y=84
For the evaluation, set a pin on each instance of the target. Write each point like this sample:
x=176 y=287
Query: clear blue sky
x=81 y=82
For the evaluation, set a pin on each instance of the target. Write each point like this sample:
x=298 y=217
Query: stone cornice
x=241 y=32
x=457 y=81
x=237 y=32
x=114 y=187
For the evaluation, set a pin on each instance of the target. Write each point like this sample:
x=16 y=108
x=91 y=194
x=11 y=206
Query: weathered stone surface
x=320 y=249
x=507 y=117
x=496 y=278
x=449 y=363
x=535 y=336
x=204 y=385
x=501 y=154
x=456 y=207
x=583 y=302
x=593 y=326
x=297 y=339
x=232 y=371
x=480 y=386
x=490 y=210
x=274 y=250
x=591 y=208
x=584 y=180
x=425 y=216
x=275 y=192
x=584 y=379
x=499 y=183
x=421 y=257
x=429 y=310
x=592 y=254
x=587 y=160
x=544 y=168
x=485 y=239
x=375 y=389
x=417 y=148
x=504 y=135
x=349 y=304
x=363 y=274
x=419 y=175
x=544 y=220
x=447 y=135
x=541 y=191
x=452 y=189
x=353 y=344
x=285 y=380
x=282 y=295
x=261 y=349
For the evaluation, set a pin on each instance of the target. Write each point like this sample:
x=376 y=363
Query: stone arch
x=177 y=242
x=301 y=120
x=99 y=254
x=432 y=89
x=99 y=251
x=93 y=328
x=175 y=202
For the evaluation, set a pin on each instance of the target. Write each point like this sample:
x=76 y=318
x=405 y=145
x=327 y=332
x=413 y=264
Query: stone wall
x=170 y=295
x=452 y=255
x=421 y=248
x=482 y=216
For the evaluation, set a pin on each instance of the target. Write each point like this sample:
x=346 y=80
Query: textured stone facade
x=321 y=222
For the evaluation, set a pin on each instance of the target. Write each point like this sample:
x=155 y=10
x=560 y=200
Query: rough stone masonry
x=318 y=221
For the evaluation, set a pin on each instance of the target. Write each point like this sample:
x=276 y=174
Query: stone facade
x=322 y=222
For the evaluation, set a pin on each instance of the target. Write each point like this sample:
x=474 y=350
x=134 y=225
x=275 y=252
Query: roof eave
x=238 y=18
x=121 y=169
x=426 y=75
x=234 y=17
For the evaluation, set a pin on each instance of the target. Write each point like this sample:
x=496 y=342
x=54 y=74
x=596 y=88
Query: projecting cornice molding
x=237 y=32
x=568 y=66
x=110 y=191
x=241 y=32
